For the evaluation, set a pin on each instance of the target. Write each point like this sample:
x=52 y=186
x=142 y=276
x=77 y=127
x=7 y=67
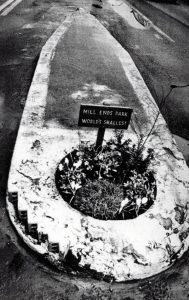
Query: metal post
x=100 y=137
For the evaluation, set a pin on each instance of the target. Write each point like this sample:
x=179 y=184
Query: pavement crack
x=170 y=152
x=34 y=180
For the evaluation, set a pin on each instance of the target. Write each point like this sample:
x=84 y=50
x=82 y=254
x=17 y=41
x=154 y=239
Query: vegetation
x=113 y=183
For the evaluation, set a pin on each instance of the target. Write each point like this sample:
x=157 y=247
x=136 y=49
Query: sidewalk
x=83 y=63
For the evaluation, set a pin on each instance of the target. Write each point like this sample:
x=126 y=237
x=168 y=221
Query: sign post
x=100 y=137
x=117 y=117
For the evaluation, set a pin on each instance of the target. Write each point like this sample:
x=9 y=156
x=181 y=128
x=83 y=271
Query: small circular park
x=112 y=182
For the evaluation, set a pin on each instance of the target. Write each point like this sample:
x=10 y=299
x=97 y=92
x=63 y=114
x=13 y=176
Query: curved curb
x=123 y=250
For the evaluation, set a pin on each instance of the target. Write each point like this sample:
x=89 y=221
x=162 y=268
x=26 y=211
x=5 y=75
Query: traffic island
x=76 y=65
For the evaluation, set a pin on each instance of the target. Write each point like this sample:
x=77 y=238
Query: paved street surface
x=178 y=12
x=172 y=66
x=161 y=54
x=160 y=51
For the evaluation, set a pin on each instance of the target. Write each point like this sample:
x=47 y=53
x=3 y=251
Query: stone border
x=123 y=250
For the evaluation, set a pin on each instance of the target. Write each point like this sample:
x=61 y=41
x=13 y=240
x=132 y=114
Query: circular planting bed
x=111 y=183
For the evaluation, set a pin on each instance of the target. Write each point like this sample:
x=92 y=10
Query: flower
x=66 y=161
x=60 y=167
x=123 y=204
x=101 y=156
x=144 y=200
x=75 y=186
x=138 y=202
x=77 y=164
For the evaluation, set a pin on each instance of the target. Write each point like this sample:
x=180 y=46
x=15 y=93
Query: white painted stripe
x=11 y=7
x=4 y=5
x=162 y=33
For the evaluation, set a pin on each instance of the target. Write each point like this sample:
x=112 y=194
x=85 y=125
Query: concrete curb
x=38 y=90
x=123 y=250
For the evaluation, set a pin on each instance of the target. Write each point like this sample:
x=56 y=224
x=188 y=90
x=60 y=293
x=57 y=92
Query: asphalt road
x=162 y=62
x=161 y=54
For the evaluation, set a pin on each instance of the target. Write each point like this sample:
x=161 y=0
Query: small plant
x=98 y=199
x=113 y=183
x=161 y=105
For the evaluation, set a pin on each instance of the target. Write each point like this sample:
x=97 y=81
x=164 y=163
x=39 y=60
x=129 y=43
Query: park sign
x=117 y=117
x=101 y=116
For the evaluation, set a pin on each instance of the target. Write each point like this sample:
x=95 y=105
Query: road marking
x=10 y=7
x=158 y=36
x=4 y=5
x=162 y=33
